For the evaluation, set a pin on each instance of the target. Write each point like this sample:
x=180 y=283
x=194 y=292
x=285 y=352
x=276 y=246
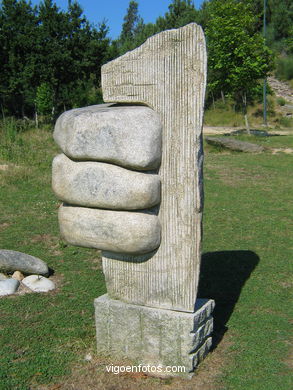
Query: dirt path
x=224 y=129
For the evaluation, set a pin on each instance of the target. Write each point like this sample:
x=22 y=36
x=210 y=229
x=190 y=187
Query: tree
x=135 y=32
x=18 y=63
x=238 y=56
x=132 y=26
x=45 y=46
x=181 y=12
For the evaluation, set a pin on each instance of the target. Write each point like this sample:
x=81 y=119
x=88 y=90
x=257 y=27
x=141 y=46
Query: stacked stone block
x=160 y=338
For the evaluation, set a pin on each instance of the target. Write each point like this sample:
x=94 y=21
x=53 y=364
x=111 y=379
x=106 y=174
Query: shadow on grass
x=222 y=276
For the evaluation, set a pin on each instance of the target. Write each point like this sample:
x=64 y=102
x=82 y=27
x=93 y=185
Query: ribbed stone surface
x=167 y=73
x=101 y=185
x=117 y=231
x=129 y=136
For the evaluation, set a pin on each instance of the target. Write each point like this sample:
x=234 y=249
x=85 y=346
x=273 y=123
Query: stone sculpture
x=107 y=169
x=131 y=180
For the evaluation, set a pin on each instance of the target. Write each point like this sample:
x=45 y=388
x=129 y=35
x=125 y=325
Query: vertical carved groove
x=167 y=73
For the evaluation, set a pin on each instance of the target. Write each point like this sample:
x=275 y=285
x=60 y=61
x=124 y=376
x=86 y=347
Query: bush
x=281 y=101
x=284 y=70
x=286 y=122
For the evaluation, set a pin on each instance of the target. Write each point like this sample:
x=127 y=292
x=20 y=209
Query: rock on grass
x=38 y=283
x=8 y=286
x=11 y=261
x=232 y=144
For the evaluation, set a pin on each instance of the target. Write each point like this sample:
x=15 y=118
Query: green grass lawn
x=246 y=268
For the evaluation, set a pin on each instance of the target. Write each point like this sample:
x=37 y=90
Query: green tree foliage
x=132 y=27
x=279 y=20
x=46 y=46
x=18 y=35
x=135 y=32
x=181 y=12
x=238 y=56
x=44 y=99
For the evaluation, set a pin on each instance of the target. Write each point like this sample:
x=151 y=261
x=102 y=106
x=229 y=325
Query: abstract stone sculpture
x=131 y=180
x=167 y=73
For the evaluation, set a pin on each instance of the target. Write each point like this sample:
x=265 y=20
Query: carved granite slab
x=168 y=74
x=101 y=185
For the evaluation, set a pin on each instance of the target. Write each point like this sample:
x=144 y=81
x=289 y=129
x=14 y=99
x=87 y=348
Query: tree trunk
x=244 y=105
x=53 y=114
x=223 y=97
x=22 y=107
x=2 y=109
x=214 y=106
x=36 y=119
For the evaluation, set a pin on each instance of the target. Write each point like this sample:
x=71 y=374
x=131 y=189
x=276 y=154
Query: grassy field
x=246 y=268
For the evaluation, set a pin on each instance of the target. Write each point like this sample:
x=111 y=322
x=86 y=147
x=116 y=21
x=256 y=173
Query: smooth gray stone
x=8 y=286
x=153 y=336
x=106 y=186
x=38 y=283
x=124 y=135
x=11 y=261
x=116 y=231
x=233 y=144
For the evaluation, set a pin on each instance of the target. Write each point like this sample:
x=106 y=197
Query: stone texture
x=124 y=135
x=8 y=286
x=96 y=184
x=202 y=352
x=17 y=275
x=38 y=283
x=153 y=336
x=11 y=261
x=167 y=73
x=3 y=276
x=117 y=231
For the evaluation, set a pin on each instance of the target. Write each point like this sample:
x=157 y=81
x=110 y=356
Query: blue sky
x=114 y=10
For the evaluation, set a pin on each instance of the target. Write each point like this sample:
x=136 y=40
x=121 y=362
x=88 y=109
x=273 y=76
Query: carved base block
x=171 y=343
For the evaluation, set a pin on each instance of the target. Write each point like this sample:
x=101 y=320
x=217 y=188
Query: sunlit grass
x=246 y=268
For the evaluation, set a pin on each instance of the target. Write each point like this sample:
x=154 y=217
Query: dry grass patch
x=92 y=374
x=235 y=176
x=4 y=226
x=50 y=241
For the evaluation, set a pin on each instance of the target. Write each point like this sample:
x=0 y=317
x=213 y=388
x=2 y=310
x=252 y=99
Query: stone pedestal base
x=170 y=343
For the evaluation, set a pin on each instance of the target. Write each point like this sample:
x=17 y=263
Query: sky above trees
x=114 y=10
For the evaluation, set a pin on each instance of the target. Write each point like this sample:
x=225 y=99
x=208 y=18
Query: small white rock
x=3 y=276
x=38 y=283
x=88 y=357
x=8 y=286
x=17 y=275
